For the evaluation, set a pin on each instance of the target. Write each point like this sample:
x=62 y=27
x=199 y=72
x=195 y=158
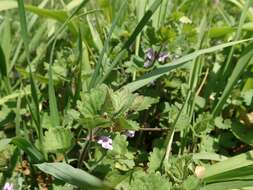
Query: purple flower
x=130 y=133
x=163 y=56
x=151 y=55
x=106 y=142
x=147 y=64
x=8 y=186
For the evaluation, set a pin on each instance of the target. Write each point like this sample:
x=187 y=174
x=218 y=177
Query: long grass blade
x=162 y=70
x=239 y=68
x=99 y=64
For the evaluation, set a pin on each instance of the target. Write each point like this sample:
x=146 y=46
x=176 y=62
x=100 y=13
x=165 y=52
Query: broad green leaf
x=143 y=181
x=155 y=159
x=95 y=121
x=58 y=139
x=92 y=101
x=122 y=101
x=143 y=102
x=68 y=174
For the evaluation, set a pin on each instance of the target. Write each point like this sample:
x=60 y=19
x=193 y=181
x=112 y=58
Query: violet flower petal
x=106 y=142
x=8 y=186
x=150 y=54
x=147 y=64
x=107 y=146
x=163 y=56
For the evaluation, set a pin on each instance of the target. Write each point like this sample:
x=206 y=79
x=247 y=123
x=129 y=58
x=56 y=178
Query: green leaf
x=222 y=124
x=54 y=114
x=128 y=124
x=230 y=168
x=59 y=15
x=155 y=159
x=14 y=95
x=120 y=145
x=3 y=67
x=58 y=140
x=142 y=23
x=191 y=183
x=7 y=4
x=95 y=121
x=143 y=102
x=68 y=174
x=236 y=184
x=143 y=181
x=148 y=14
x=242 y=132
x=122 y=101
x=92 y=102
x=4 y=143
x=28 y=148
x=218 y=32
x=245 y=59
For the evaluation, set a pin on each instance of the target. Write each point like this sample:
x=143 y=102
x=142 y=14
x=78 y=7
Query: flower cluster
x=8 y=186
x=152 y=55
x=106 y=142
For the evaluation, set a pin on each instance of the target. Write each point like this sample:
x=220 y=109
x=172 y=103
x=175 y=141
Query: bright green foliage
x=58 y=140
x=126 y=94
x=143 y=181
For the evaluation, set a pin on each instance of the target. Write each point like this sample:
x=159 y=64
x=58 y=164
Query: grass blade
x=24 y=31
x=28 y=148
x=142 y=23
x=54 y=114
x=162 y=70
x=96 y=73
x=3 y=67
x=132 y=38
x=240 y=66
x=216 y=172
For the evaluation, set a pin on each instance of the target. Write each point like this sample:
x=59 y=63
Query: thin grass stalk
x=228 y=65
x=99 y=64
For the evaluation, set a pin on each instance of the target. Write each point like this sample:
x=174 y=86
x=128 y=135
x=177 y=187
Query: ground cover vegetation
x=126 y=94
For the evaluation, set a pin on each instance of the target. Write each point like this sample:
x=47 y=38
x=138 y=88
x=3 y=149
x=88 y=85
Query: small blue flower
x=106 y=142
x=8 y=186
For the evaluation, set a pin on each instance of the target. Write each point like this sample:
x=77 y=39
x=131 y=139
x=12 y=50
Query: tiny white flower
x=130 y=133
x=8 y=186
x=185 y=20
